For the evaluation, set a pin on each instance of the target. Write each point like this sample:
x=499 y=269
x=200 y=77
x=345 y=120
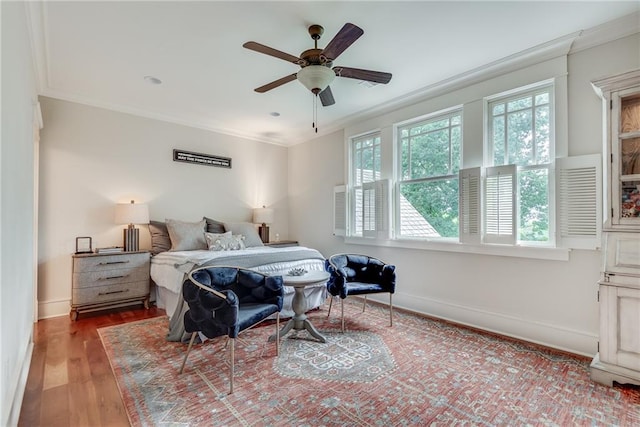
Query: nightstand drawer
x=110 y=262
x=108 y=293
x=108 y=277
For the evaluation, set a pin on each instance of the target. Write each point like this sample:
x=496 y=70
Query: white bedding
x=168 y=271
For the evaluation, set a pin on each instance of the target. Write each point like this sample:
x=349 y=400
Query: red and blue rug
x=418 y=372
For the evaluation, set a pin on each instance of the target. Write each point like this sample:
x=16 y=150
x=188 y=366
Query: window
x=365 y=171
x=518 y=188
x=429 y=161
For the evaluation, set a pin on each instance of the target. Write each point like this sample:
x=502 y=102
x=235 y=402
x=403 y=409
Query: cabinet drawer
x=101 y=294
x=109 y=277
x=110 y=262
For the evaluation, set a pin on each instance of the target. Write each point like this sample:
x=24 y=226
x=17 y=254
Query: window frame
x=545 y=86
x=453 y=172
x=353 y=185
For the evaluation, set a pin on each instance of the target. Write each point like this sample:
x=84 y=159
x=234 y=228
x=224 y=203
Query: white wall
x=16 y=210
x=550 y=302
x=93 y=158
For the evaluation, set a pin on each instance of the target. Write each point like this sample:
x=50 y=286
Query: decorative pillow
x=214 y=226
x=225 y=242
x=248 y=230
x=160 y=240
x=186 y=236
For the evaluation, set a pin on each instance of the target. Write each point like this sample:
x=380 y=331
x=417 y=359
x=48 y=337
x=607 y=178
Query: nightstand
x=109 y=280
x=282 y=243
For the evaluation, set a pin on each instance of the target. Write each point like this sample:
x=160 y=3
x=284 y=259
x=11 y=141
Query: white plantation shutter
x=579 y=201
x=375 y=209
x=469 y=205
x=500 y=204
x=340 y=210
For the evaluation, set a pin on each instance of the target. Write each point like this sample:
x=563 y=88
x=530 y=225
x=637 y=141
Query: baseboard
x=16 y=404
x=572 y=341
x=53 y=308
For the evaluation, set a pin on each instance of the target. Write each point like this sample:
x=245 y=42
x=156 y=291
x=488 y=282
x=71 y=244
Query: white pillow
x=225 y=241
x=186 y=236
x=248 y=230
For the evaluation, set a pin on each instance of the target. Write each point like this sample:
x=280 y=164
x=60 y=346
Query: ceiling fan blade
x=368 y=75
x=348 y=34
x=326 y=97
x=274 y=84
x=260 y=48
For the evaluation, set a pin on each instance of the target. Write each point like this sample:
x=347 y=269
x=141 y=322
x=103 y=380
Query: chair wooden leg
x=330 y=302
x=232 y=361
x=342 y=307
x=364 y=304
x=193 y=337
x=390 y=309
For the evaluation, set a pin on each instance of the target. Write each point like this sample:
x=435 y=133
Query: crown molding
x=608 y=32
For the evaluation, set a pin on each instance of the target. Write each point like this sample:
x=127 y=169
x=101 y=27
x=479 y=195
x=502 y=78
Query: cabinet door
x=625 y=168
x=620 y=326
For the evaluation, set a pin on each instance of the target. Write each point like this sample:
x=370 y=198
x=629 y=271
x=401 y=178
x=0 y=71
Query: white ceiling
x=98 y=53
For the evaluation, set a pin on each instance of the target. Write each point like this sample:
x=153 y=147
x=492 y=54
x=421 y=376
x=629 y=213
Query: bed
x=172 y=259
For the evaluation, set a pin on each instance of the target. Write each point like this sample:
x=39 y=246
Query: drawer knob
x=113 y=262
x=113 y=292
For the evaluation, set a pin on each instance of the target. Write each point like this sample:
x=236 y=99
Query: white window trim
x=397 y=167
x=517 y=251
x=554 y=85
x=351 y=186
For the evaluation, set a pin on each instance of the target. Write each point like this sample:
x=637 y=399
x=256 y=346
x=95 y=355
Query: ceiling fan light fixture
x=316 y=78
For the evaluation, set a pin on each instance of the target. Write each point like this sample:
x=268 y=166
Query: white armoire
x=618 y=357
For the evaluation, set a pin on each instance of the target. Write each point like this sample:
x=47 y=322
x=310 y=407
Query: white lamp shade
x=132 y=213
x=263 y=216
x=316 y=78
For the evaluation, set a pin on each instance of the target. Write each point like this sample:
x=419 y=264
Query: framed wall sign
x=83 y=245
x=201 y=159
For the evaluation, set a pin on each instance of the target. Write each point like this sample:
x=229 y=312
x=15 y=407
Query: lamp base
x=263 y=230
x=131 y=239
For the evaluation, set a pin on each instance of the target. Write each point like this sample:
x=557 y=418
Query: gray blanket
x=176 y=325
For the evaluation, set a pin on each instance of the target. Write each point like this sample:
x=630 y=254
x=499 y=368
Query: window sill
x=552 y=254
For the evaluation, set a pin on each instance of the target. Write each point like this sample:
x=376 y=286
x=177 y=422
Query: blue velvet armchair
x=353 y=274
x=224 y=301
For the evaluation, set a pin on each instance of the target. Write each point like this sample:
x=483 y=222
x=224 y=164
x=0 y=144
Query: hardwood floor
x=70 y=381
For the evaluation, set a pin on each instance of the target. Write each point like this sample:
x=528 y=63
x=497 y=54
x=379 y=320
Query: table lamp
x=263 y=216
x=132 y=213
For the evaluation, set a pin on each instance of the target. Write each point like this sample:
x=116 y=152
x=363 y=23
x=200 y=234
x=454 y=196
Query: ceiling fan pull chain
x=315 y=112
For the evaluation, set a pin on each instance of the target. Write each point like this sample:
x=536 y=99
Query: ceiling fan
x=316 y=73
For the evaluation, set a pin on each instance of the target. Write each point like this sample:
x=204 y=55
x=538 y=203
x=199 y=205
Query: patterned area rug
x=418 y=372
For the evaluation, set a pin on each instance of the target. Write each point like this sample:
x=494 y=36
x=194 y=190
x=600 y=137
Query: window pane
x=518 y=104
x=429 y=209
x=456 y=144
x=367 y=165
x=456 y=120
x=357 y=167
x=542 y=135
x=520 y=138
x=533 y=186
x=498 y=141
x=437 y=153
x=419 y=157
x=376 y=162
x=498 y=109
x=542 y=98
x=404 y=159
